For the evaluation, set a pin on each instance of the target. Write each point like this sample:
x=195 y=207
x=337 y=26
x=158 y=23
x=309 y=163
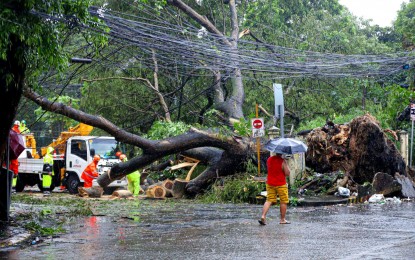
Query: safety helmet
x=96 y=158
x=122 y=157
x=118 y=154
x=17 y=122
x=23 y=121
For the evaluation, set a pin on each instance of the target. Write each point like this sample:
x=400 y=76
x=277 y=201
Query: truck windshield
x=105 y=148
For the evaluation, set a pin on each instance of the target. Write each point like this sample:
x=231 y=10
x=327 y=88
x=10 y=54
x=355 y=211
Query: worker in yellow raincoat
x=47 y=171
x=23 y=128
x=132 y=178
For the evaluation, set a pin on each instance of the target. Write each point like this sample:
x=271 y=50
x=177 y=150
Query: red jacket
x=13 y=166
x=89 y=174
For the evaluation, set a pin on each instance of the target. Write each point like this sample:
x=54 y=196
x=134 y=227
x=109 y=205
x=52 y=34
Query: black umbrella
x=16 y=144
x=286 y=146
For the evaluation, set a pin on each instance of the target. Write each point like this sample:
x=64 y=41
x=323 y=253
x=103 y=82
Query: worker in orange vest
x=16 y=126
x=90 y=173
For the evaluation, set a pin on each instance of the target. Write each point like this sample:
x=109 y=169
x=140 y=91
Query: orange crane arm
x=59 y=143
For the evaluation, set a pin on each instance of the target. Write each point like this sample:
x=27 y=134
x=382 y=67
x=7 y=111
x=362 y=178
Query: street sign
x=257 y=123
x=279 y=105
x=278 y=100
x=258 y=132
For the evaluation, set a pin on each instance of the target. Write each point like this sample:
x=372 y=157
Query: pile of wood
x=173 y=188
x=160 y=190
x=167 y=189
x=360 y=149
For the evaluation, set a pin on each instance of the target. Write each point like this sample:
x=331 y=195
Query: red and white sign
x=257 y=123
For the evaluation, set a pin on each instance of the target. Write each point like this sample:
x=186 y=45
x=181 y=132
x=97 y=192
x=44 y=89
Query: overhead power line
x=187 y=46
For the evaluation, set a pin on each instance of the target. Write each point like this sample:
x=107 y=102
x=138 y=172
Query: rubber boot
x=46 y=192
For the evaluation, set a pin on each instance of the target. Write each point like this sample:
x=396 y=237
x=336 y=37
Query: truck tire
x=20 y=184
x=72 y=183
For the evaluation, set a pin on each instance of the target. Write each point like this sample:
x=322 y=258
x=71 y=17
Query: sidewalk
x=315 y=201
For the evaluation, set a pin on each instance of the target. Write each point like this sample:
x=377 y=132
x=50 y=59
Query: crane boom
x=59 y=143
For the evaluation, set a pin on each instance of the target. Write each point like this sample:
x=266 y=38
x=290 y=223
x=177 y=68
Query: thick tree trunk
x=232 y=107
x=12 y=77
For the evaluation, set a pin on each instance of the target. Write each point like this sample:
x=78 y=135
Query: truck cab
x=80 y=151
x=76 y=153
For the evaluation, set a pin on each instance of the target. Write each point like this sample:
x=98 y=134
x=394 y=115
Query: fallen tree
x=222 y=155
x=360 y=149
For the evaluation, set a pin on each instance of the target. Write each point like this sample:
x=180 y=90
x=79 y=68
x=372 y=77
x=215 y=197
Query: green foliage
x=163 y=129
x=239 y=189
x=293 y=201
x=251 y=167
x=42 y=230
x=243 y=127
x=384 y=103
x=42 y=38
x=398 y=99
x=405 y=24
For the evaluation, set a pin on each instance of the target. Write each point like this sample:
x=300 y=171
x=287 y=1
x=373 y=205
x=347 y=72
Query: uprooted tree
x=360 y=149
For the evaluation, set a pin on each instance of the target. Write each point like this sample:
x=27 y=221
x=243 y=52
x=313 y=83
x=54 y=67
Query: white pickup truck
x=68 y=167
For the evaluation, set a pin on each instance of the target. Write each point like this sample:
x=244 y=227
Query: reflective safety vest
x=90 y=173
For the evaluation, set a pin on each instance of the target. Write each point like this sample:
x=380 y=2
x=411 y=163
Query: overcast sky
x=382 y=12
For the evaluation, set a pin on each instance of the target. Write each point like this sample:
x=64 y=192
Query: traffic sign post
x=258 y=130
x=257 y=123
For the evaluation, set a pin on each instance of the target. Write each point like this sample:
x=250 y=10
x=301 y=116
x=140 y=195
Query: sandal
x=262 y=222
x=286 y=222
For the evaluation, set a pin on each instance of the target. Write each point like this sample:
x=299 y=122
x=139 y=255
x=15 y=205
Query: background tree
x=30 y=45
x=205 y=61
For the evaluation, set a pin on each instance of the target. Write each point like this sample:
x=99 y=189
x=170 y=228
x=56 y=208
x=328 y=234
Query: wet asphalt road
x=162 y=230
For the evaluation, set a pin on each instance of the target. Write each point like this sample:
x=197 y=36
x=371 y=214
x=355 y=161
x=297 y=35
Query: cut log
x=93 y=192
x=179 y=187
x=167 y=184
x=156 y=191
x=122 y=194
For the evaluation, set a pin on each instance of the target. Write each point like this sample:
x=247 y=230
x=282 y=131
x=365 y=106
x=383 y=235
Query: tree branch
x=203 y=21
